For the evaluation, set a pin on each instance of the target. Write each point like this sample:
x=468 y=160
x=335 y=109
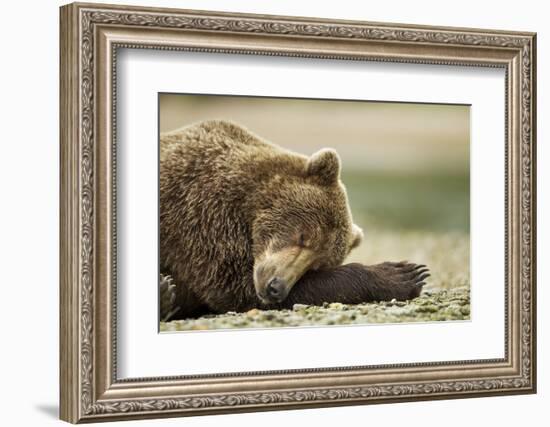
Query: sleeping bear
x=247 y=224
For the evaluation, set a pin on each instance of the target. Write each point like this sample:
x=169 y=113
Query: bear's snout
x=276 y=289
x=275 y=273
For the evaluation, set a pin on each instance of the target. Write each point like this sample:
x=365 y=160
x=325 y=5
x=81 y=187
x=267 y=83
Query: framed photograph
x=265 y=212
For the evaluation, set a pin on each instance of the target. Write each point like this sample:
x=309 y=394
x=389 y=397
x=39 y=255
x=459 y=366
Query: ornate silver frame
x=90 y=36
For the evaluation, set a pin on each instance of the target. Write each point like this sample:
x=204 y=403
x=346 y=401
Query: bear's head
x=306 y=224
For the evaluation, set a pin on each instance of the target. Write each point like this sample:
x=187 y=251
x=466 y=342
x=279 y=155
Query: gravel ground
x=445 y=297
x=430 y=306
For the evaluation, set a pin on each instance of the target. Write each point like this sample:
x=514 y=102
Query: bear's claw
x=402 y=280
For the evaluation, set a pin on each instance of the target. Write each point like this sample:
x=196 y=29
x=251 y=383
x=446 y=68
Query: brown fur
x=238 y=213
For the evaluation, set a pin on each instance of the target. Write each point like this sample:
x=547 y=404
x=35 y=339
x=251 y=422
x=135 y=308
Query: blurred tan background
x=372 y=135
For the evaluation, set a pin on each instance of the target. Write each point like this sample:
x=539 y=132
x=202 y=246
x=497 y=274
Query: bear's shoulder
x=214 y=132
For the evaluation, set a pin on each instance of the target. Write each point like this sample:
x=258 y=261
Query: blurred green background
x=405 y=165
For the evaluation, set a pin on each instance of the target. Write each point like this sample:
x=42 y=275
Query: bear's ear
x=325 y=166
x=356 y=236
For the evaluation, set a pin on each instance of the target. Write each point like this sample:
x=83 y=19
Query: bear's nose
x=275 y=288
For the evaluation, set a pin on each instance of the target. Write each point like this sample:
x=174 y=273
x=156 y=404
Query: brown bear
x=245 y=223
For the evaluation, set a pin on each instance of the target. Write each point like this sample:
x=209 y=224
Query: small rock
x=336 y=306
x=299 y=307
x=252 y=313
x=199 y=327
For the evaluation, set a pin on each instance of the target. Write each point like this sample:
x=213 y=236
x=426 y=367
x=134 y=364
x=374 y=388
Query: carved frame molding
x=90 y=37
